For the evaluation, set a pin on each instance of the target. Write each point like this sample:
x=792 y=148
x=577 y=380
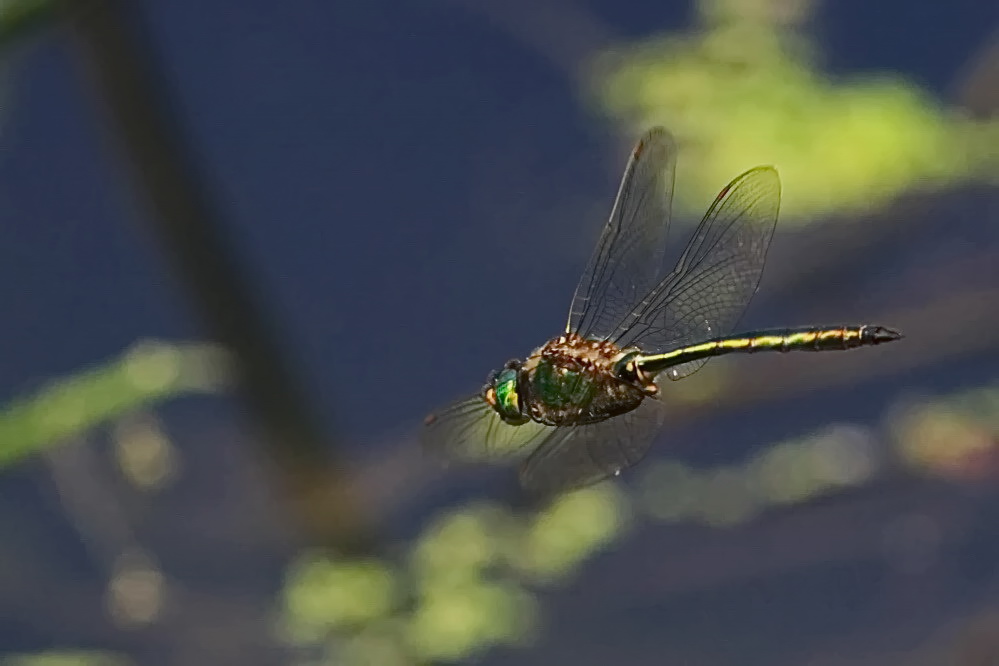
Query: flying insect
x=585 y=405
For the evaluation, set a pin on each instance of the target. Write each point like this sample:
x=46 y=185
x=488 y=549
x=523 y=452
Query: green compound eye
x=507 y=398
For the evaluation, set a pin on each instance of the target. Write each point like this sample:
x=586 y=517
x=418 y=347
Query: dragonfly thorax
x=570 y=380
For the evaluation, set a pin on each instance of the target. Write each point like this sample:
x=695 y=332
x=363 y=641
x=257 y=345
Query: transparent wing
x=628 y=258
x=471 y=431
x=714 y=280
x=576 y=456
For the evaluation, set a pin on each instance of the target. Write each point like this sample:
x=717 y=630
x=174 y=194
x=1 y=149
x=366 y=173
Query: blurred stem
x=116 y=53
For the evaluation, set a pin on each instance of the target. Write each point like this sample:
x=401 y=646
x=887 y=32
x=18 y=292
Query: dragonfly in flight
x=585 y=405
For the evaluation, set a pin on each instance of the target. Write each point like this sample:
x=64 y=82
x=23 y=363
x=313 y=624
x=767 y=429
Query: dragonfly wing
x=471 y=431
x=716 y=276
x=628 y=259
x=576 y=456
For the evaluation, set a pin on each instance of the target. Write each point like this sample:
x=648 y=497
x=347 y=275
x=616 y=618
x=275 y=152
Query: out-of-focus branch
x=115 y=53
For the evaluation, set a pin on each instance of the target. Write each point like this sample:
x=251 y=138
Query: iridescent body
x=585 y=405
x=575 y=381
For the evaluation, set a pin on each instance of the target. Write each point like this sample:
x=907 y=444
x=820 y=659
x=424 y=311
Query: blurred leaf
x=143 y=451
x=729 y=498
x=668 y=490
x=137 y=589
x=789 y=472
x=744 y=90
x=461 y=544
x=379 y=644
x=955 y=436
x=65 y=658
x=455 y=623
x=148 y=373
x=468 y=586
x=20 y=18
x=322 y=594
x=576 y=525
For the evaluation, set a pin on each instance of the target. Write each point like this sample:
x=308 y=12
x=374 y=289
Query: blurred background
x=248 y=246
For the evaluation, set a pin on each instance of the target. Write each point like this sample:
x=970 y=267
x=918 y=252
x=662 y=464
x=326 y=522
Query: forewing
x=576 y=456
x=471 y=431
x=628 y=258
x=715 y=279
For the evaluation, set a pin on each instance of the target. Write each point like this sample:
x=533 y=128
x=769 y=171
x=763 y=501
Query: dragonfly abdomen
x=806 y=338
x=809 y=338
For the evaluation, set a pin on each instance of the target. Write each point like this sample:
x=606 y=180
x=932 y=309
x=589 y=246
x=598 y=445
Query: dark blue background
x=416 y=191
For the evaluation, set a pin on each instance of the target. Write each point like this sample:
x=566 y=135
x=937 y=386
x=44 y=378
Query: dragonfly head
x=502 y=394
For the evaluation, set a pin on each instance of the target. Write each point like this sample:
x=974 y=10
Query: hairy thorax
x=572 y=381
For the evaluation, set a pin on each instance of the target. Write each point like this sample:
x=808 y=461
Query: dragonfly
x=587 y=404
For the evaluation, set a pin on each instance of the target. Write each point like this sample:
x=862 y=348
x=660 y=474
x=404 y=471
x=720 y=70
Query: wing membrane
x=471 y=431
x=576 y=456
x=628 y=258
x=715 y=278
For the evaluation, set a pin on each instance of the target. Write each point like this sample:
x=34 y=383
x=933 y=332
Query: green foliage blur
x=465 y=586
x=20 y=18
x=66 y=658
x=148 y=373
x=743 y=87
x=746 y=86
x=469 y=582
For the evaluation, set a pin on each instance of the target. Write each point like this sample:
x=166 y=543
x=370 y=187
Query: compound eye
x=512 y=364
x=508 y=399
